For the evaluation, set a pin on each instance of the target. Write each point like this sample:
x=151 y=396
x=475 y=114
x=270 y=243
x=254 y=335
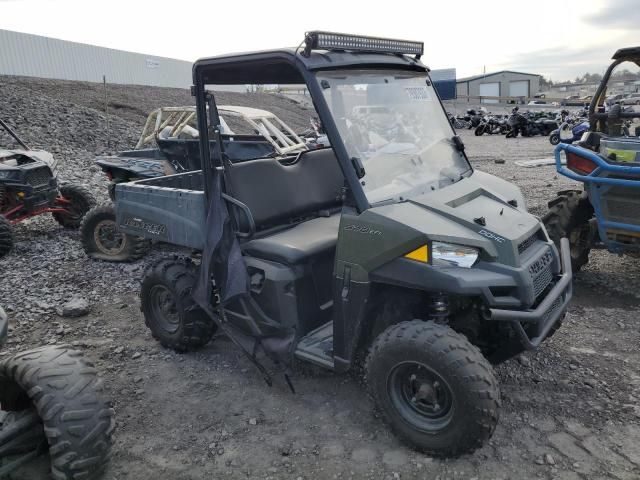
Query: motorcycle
x=457 y=122
x=568 y=132
x=524 y=125
x=474 y=117
x=489 y=125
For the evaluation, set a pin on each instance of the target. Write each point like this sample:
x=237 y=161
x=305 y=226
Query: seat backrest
x=276 y=193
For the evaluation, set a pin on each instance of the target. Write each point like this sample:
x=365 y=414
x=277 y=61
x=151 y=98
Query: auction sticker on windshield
x=418 y=93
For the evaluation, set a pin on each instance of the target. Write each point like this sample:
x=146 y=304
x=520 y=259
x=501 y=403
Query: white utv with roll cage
x=386 y=244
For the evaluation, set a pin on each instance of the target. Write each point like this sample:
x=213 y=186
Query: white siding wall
x=36 y=56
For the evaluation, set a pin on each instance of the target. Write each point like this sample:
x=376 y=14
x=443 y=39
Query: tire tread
x=78 y=423
x=457 y=352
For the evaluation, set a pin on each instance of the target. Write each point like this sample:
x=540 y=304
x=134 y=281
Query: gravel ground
x=570 y=410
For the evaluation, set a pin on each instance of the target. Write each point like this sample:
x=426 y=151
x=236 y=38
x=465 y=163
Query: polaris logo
x=491 y=236
x=362 y=229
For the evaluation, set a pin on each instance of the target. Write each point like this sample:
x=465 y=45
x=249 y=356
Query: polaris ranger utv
x=50 y=403
x=29 y=187
x=386 y=244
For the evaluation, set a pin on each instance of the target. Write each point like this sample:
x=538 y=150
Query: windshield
x=394 y=124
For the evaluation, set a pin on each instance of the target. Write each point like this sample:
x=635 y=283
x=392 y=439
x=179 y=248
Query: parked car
x=631 y=99
x=610 y=100
x=570 y=100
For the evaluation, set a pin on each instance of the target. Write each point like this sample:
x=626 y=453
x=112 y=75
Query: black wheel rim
x=107 y=238
x=164 y=310
x=420 y=396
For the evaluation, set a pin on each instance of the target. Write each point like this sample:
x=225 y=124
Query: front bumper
x=547 y=313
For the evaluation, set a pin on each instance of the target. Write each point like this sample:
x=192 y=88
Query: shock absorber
x=439 y=307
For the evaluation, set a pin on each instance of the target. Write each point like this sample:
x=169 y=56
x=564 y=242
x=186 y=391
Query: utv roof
x=284 y=66
x=627 y=52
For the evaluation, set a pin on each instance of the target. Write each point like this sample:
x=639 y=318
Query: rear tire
x=81 y=201
x=554 y=139
x=64 y=389
x=569 y=216
x=6 y=236
x=169 y=310
x=434 y=388
x=102 y=241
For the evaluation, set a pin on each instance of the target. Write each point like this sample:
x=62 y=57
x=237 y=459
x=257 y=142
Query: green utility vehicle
x=387 y=245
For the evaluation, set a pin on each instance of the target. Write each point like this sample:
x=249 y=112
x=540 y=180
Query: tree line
x=623 y=75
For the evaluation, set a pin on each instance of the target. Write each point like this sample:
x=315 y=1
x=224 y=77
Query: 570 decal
x=362 y=229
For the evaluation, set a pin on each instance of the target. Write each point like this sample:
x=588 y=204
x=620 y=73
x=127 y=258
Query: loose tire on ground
x=434 y=388
x=102 y=241
x=65 y=391
x=6 y=236
x=169 y=309
x=569 y=216
x=81 y=202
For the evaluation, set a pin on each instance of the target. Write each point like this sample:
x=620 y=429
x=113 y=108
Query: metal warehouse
x=35 y=56
x=505 y=83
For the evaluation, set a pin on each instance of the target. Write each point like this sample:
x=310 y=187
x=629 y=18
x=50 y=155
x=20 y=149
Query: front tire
x=78 y=201
x=436 y=390
x=63 y=389
x=554 y=139
x=102 y=241
x=6 y=236
x=169 y=310
x=569 y=216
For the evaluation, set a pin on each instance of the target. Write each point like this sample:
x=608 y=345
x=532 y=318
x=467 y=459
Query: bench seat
x=297 y=244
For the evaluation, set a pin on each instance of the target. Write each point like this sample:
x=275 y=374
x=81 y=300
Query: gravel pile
x=48 y=266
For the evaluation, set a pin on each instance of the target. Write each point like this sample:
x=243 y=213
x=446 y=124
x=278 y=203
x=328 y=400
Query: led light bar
x=317 y=40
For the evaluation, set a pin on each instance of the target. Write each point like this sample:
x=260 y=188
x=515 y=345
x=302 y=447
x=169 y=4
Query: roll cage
x=631 y=54
x=172 y=121
x=289 y=66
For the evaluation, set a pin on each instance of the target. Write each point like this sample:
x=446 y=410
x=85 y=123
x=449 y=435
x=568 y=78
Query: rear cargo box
x=168 y=209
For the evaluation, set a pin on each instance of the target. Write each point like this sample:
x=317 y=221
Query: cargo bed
x=168 y=209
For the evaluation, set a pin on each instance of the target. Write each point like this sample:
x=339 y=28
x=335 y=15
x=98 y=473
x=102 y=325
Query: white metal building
x=35 y=56
x=505 y=83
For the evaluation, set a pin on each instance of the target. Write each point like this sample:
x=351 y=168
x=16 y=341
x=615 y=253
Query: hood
x=474 y=211
x=9 y=158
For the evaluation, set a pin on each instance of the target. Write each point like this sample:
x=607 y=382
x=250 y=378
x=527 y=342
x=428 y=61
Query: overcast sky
x=556 y=38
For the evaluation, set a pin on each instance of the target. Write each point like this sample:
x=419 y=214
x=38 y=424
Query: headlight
x=6 y=173
x=448 y=254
